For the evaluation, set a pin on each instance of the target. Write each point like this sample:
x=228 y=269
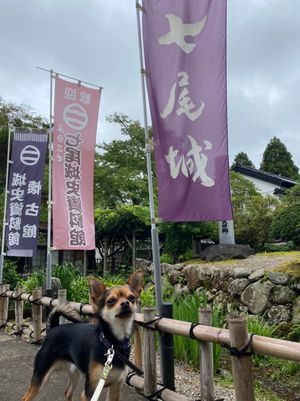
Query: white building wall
x=265 y=188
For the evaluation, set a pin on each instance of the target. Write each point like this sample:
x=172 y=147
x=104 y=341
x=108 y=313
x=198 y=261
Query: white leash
x=106 y=369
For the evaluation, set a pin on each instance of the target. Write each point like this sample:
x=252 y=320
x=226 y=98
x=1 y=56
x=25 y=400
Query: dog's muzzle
x=125 y=311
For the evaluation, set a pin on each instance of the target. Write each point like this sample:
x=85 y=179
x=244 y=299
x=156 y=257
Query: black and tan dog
x=80 y=348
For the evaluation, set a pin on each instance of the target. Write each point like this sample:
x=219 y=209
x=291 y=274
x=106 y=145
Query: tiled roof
x=264 y=176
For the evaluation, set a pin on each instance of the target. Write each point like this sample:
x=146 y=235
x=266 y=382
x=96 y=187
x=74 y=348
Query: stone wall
x=275 y=295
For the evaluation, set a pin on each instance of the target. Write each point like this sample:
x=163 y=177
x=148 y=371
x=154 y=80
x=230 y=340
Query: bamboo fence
x=237 y=339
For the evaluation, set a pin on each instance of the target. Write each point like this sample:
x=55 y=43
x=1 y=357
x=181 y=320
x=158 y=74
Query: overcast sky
x=96 y=41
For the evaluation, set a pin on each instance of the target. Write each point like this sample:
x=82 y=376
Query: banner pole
x=67 y=76
x=10 y=130
x=49 y=256
x=148 y=148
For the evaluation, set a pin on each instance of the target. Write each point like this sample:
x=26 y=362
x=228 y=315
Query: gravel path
x=188 y=384
x=256 y=262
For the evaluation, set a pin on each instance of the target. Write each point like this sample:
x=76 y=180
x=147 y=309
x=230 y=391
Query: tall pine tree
x=277 y=160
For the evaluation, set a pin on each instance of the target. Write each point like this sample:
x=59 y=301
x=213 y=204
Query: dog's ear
x=136 y=281
x=96 y=289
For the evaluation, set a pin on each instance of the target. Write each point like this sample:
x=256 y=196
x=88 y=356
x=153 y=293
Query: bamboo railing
x=236 y=339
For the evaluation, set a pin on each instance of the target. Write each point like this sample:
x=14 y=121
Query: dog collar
x=126 y=345
x=121 y=345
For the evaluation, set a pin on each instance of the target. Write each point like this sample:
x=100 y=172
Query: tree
x=242 y=158
x=178 y=237
x=120 y=167
x=286 y=223
x=113 y=227
x=277 y=160
x=253 y=213
x=291 y=195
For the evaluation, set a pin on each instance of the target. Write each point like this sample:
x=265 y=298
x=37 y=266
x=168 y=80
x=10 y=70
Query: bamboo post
x=62 y=297
x=37 y=315
x=3 y=305
x=138 y=358
x=241 y=365
x=19 y=310
x=149 y=354
x=206 y=360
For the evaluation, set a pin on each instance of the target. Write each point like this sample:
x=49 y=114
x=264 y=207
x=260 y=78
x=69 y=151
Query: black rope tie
x=151 y=397
x=240 y=352
x=3 y=294
x=19 y=297
x=148 y=324
x=191 y=332
x=51 y=301
x=19 y=332
x=36 y=301
x=81 y=307
x=129 y=377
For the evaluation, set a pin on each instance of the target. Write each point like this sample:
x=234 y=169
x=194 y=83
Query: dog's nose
x=125 y=303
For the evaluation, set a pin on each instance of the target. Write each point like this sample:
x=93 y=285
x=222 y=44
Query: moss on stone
x=292 y=268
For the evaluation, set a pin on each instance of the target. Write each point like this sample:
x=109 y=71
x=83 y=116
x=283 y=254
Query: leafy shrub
x=286 y=224
x=36 y=280
x=188 y=255
x=286 y=247
x=178 y=236
x=113 y=279
x=166 y=258
x=67 y=274
x=80 y=290
x=148 y=297
x=10 y=274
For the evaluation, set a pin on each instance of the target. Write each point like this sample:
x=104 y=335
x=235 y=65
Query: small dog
x=80 y=348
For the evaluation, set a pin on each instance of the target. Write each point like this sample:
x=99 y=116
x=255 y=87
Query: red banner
x=75 y=123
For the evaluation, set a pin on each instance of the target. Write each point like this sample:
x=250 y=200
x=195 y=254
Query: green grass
x=257 y=325
x=285 y=253
x=261 y=394
x=186 y=349
x=205 y=262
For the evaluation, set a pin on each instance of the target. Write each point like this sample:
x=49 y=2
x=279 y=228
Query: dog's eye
x=111 y=301
x=131 y=298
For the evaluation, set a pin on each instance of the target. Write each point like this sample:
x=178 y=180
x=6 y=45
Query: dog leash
x=119 y=355
x=107 y=368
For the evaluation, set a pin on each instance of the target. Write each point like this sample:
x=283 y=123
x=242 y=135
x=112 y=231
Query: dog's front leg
x=114 y=391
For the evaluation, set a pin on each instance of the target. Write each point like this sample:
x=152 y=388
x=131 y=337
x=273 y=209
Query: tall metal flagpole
x=166 y=350
x=148 y=148
x=10 y=130
x=49 y=256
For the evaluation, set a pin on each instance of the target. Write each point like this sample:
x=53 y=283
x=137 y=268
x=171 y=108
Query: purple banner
x=24 y=193
x=185 y=58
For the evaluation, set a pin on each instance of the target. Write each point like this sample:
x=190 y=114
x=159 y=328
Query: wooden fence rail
x=236 y=339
